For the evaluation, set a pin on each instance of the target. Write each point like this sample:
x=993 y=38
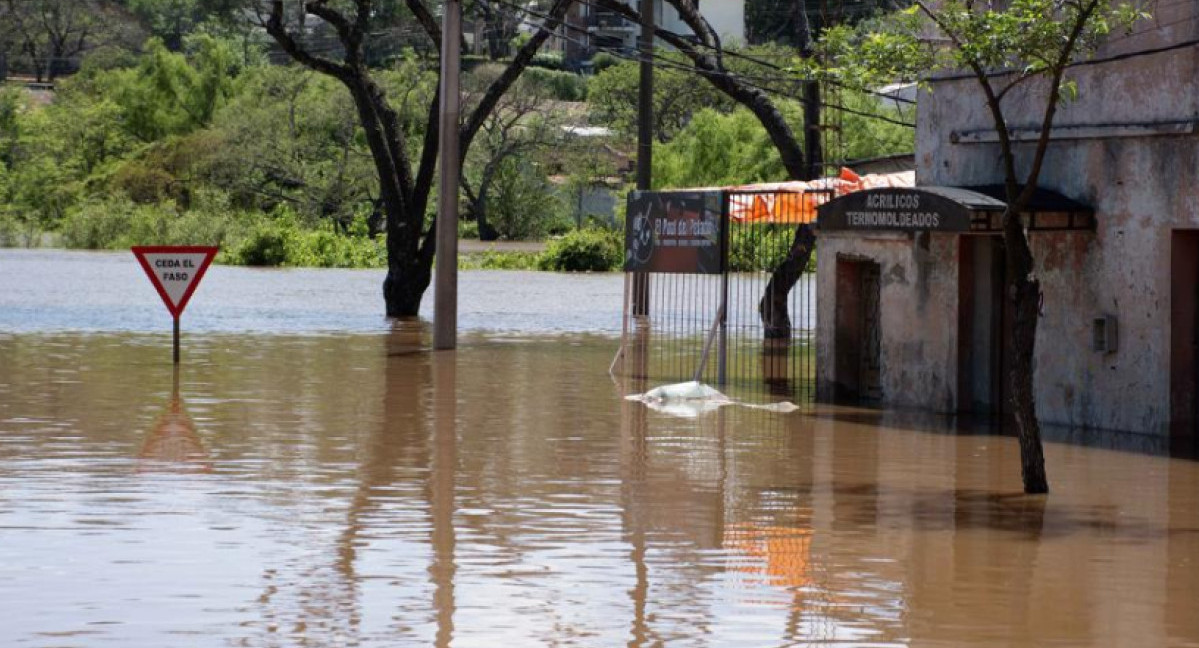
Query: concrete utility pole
x=445 y=295
x=811 y=97
x=645 y=137
x=812 y=130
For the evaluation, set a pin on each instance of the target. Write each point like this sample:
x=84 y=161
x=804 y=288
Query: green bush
x=548 y=60
x=761 y=247
x=245 y=238
x=144 y=184
x=15 y=233
x=586 y=250
x=603 y=61
x=266 y=245
x=523 y=205
x=468 y=229
x=326 y=248
x=563 y=86
x=499 y=260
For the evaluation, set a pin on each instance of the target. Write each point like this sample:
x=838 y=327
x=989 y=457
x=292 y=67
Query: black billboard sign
x=674 y=232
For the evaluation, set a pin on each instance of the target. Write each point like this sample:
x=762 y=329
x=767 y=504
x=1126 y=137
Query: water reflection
x=173 y=442
x=359 y=491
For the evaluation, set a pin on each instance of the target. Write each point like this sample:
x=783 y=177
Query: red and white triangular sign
x=175 y=271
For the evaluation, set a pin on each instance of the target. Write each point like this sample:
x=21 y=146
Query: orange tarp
x=796 y=202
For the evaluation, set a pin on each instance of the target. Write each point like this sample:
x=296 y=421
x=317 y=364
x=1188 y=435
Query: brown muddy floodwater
x=304 y=488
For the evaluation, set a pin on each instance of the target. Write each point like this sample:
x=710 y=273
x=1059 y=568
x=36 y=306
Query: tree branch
x=754 y=99
x=511 y=73
x=348 y=32
x=1059 y=70
x=426 y=20
x=278 y=31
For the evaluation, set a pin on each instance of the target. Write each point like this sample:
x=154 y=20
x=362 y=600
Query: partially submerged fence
x=717 y=289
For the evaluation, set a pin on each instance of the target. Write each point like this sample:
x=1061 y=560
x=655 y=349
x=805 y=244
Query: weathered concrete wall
x=918 y=306
x=1142 y=188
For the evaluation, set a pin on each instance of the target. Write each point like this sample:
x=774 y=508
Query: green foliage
x=760 y=247
x=245 y=238
x=719 y=149
x=548 y=60
x=290 y=137
x=499 y=260
x=562 y=86
x=174 y=20
x=195 y=140
x=612 y=99
x=170 y=93
x=468 y=229
x=12 y=104
x=584 y=250
x=1029 y=37
x=523 y=204
x=265 y=245
x=603 y=61
x=861 y=137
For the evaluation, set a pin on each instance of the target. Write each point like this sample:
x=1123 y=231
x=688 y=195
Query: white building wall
x=727 y=18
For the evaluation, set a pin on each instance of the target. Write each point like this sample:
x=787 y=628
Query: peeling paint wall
x=918 y=309
x=1142 y=188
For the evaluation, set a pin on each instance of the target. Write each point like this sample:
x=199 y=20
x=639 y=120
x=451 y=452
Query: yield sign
x=175 y=271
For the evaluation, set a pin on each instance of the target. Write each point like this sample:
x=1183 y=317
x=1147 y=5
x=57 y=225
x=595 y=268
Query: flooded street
x=311 y=478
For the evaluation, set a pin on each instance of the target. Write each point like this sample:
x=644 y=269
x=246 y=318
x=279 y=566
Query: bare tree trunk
x=408 y=277
x=1024 y=289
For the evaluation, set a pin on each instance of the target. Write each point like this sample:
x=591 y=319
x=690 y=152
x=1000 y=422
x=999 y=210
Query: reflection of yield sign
x=175 y=271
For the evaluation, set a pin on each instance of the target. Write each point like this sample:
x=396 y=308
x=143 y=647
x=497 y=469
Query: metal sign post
x=176 y=272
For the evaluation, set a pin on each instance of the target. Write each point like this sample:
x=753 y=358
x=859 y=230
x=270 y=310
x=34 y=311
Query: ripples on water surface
x=345 y=489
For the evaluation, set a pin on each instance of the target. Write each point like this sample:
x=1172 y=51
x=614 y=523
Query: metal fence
x=721 y=327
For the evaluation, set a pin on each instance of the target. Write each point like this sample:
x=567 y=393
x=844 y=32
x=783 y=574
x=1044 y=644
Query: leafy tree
x=523 y=204
x=51 y=35
x=58 y=147
x=169 y=20
x=170 y=93
x=405 y=188
x=12 y=104
x=294 y=139
x=612 y=99
x=524 y=122
x=716 y=149
x=174 y=21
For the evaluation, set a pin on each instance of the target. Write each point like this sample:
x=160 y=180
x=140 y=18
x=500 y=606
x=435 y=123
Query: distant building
x=913 y=310
x=593 y=29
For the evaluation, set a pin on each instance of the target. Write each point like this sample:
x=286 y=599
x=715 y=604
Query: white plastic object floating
x=693 y=399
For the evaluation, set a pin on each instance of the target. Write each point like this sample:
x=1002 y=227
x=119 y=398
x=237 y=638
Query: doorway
x=1184 y=334
x=857 y=353
x=983 y=326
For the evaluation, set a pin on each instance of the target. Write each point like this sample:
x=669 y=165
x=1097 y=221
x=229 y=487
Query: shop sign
x=894 y=209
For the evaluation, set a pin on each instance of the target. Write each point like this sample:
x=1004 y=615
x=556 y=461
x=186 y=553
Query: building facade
x=610 y=30
x=914 y=316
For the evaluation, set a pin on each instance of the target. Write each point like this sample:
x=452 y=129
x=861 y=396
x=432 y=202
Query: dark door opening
x=857 y=370
x=1184 y=336
x=983 y=329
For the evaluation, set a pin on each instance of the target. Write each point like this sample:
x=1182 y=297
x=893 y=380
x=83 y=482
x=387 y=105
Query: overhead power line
x=661 y=62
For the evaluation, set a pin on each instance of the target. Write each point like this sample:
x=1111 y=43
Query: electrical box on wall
x=1105 y=336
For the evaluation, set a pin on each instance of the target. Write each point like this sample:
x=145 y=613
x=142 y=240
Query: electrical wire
x=665 y=63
